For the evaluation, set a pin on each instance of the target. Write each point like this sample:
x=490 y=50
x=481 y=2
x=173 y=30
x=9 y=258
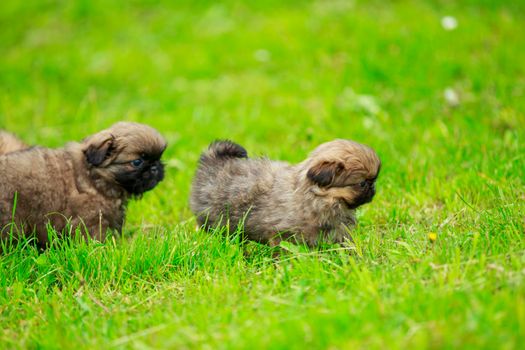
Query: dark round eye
x=137 y=162
x=362 y=184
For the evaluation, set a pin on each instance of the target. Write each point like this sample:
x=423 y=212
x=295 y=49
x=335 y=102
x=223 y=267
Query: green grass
x=280 y=78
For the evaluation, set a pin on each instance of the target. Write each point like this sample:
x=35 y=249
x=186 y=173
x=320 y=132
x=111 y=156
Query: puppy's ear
x=324 y=173
x=99 y=148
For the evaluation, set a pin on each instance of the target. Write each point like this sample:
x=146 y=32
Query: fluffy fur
x=10 y=143
x=85 y=185
x=312 y=201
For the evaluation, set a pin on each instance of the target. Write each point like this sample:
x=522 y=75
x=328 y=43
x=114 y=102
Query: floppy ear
x=100 y=148
x=324 y=173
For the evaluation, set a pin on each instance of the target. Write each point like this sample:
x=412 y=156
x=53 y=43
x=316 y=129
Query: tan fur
x=81 y=184
x=312 y=201
x=10 y=143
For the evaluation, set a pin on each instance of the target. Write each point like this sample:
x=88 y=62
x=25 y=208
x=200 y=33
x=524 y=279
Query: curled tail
x=222 y=150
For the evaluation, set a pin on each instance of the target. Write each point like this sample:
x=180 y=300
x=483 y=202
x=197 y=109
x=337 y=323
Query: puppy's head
x=126 y=155
x=344 y=172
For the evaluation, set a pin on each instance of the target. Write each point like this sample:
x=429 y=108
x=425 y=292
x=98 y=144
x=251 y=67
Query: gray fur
x=276 y=200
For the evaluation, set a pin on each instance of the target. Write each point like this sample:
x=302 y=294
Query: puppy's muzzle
x=154 y=174
x=365 y=197
x=155 y=170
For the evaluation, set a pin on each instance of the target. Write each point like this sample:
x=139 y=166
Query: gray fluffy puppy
x=310 y=202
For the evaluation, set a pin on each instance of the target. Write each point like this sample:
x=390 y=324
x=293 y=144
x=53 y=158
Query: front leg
x=95 y=226
x=339 y=233
x=98 y=216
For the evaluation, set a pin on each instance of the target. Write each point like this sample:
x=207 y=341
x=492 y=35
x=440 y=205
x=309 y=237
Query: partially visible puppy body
x=84 y=185
x=10 y=143
x=311 y=202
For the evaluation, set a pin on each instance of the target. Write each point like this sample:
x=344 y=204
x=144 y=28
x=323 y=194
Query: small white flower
x=262 y=55
x=451 y=97
x=449 y=23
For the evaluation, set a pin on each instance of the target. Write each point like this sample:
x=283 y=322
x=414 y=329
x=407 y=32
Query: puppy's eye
x=137 y=162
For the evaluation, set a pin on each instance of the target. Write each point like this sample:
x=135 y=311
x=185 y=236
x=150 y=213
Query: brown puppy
x=86 y=185
x=312 y=201
x=10 y=143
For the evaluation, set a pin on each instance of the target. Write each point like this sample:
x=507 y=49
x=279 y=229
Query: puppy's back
x=228 y=182
x=31 y=188
x=29 y=173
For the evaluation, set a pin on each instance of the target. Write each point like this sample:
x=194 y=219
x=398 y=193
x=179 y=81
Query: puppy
x=310 y=202
x=10 y=143
x=84 y=185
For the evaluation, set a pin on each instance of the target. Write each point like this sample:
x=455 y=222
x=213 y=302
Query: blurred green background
x=441 y=100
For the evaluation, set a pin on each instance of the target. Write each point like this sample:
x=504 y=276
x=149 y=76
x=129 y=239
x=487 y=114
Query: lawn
x=442 y=103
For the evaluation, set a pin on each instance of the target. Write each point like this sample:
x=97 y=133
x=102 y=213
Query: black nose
x=154 y=170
